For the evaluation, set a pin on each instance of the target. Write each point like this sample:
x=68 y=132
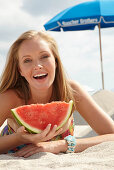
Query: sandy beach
x=97 y=157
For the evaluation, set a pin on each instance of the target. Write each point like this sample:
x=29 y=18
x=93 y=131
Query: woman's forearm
x=84 y=143
x=9 y=142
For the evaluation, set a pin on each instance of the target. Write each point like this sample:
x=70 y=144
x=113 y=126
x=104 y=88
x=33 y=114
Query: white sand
x=99 y=157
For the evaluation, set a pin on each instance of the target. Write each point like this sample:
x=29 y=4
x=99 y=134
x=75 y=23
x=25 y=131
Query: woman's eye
x=27 y=60
x=45 y=56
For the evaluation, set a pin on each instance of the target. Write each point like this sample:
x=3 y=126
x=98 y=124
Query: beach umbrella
x=85 y=16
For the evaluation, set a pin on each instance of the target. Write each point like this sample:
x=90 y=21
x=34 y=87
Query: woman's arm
x=8 y=101
x=9 y=142
x=61 y=145
x=91 y=112
x=85 y=143
x=22 y=137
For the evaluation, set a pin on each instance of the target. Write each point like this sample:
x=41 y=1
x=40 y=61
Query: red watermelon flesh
x=36 y=117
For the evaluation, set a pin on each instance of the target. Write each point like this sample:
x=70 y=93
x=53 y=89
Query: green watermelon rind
x=68 y=114
x=35 y=130
x=22 y=123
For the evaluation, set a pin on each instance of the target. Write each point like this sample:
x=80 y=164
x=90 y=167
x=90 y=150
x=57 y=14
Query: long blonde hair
x=11 y=78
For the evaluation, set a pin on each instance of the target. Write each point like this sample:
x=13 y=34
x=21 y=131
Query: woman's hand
x=65 y=127
x=45 y=135
x=51 y=146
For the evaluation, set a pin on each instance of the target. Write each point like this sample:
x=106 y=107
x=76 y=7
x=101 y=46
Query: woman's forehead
x=32 y=45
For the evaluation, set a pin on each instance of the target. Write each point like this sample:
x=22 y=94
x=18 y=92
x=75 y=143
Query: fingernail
x=49 y=125
x=55 y=126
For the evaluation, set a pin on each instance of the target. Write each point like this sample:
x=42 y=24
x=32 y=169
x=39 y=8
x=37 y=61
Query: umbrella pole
x=102 y=74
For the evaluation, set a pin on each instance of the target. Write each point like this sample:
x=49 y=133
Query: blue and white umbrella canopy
x=85 y=16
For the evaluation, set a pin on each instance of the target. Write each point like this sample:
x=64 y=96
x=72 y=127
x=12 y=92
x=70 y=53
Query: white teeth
x=39 y=75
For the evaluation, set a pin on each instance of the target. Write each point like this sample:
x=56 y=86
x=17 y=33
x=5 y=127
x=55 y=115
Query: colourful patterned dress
x=7 y=130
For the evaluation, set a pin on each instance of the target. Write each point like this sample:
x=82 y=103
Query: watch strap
x=71 y=141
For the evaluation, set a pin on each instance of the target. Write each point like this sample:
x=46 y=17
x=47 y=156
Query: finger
x=21 y=129
x=58 y=132
x=53 y=129
x=24 y=150
x=51 y=134
x=23 y=153
x=35 y=138
x=46 y=131
x=32 y=152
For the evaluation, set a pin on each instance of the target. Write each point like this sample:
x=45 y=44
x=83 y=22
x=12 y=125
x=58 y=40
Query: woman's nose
x=38 y=66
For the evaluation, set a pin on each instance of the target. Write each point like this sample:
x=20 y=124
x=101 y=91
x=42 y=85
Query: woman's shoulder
x=75 y=85
x=8 y=100
x=10 y=97
x=78 y=90
x=8 y=93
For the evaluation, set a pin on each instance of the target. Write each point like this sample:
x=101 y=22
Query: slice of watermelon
x=36 y=117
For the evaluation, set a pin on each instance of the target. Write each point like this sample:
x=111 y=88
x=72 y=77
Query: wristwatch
x=71 y=141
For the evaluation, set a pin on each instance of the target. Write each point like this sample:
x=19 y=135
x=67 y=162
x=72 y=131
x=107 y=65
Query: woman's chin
x=43 y=87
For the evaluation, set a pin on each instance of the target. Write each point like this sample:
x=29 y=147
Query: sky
x=79 y=50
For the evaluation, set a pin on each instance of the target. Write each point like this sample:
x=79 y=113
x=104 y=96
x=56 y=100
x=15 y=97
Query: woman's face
x=37 y=63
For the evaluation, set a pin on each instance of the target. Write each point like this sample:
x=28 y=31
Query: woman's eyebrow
x=26 y=56
x=44 y=52
x=30 y=55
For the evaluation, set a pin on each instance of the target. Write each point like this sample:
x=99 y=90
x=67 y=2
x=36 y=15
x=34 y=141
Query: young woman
x=34 y=74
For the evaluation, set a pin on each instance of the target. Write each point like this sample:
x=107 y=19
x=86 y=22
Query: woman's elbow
x=109 y=130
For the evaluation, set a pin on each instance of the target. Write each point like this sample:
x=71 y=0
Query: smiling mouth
x=41 y=76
